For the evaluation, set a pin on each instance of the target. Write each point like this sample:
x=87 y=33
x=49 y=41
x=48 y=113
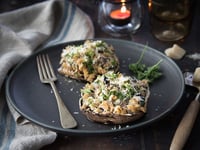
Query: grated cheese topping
x=115 y=93
x=88 y=60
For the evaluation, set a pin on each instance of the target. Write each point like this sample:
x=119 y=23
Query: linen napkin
x=22 y=31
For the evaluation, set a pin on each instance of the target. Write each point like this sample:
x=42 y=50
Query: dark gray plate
x=36 y=102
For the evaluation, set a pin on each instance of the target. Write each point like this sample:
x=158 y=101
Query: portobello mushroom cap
x=84 y=62
x=114 y=108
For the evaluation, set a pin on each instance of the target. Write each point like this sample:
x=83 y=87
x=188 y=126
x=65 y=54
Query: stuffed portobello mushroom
x=113 y=98
x=86 y=61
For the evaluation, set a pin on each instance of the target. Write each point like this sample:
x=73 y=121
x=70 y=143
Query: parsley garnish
x=141 y=71
x=89 y=62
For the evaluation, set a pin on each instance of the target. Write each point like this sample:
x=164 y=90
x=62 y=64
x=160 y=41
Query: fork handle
x=185 y=126
x=67 y=120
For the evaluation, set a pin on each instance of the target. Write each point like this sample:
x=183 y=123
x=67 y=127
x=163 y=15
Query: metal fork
x=47 y=75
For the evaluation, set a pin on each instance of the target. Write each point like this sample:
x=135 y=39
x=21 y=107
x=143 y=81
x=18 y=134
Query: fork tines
x=45 y=68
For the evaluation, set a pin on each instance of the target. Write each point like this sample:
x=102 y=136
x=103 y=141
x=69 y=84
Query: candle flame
x=123 y=8
x=150 y=4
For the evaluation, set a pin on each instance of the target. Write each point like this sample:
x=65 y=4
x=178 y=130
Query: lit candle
x=120 y=16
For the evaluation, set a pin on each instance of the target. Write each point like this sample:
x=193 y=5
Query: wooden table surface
x=158 y=135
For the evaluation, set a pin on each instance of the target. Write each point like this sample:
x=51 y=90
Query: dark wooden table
x=158 y=135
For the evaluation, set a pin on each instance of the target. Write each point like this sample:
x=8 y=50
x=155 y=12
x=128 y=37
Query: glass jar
x=170 y=19
x=120 y=17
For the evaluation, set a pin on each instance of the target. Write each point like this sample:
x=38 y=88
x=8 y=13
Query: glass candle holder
x=120 y=17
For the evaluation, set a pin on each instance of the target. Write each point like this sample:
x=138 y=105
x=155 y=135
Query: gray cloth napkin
x=21 y=32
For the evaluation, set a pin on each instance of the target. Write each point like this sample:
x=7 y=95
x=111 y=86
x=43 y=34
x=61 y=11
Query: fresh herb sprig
x=141 y=71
